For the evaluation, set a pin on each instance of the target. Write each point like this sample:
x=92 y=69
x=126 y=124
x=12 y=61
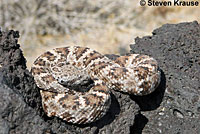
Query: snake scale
x=61 y=71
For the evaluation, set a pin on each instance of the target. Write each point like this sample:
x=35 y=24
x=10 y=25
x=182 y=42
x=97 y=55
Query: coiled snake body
x=58 y=71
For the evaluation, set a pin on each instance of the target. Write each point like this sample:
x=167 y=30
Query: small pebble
x=159 y=130
x=178 y=113
x=190 y=113
x=161 y=113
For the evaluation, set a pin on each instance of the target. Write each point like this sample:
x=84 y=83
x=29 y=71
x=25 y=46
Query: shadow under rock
x=153 y=100
x=139 y=124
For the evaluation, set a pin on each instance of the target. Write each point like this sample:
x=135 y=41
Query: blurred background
x=104 y=25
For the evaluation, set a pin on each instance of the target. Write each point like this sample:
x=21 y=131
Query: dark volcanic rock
x=15 y=115
x=177 y=49
x=173 y=108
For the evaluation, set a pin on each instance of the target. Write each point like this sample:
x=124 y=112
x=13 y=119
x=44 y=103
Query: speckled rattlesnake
x=59 y=70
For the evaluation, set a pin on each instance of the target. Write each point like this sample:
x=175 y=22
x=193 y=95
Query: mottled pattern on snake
x=57 y=71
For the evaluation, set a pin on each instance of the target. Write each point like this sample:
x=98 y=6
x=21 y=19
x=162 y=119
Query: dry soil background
x=105 y=25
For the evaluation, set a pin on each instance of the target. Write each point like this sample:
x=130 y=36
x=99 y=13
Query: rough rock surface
x=177 y=49
x=173 y=108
